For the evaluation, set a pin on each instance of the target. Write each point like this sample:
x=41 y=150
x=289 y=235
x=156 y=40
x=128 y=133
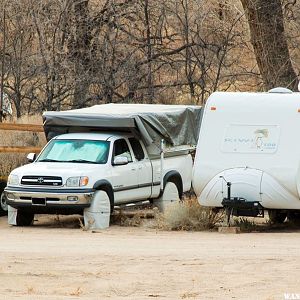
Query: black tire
x=24 y=218
x=277 y=216
x=294 y=217
x=3 y=205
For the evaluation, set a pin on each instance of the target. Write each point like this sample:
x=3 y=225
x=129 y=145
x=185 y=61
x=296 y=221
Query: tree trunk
x=269 y=42
x=82 y=53
x=149 y=52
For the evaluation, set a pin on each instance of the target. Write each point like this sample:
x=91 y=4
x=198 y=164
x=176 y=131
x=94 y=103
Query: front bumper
x=49 y=200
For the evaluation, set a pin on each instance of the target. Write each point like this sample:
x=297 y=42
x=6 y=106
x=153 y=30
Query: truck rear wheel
x=277 y=216
x=24 y=218
x=3 y=205
x=169 y=195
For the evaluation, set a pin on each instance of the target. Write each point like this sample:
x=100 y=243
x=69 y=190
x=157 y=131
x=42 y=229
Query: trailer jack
x=237 y=206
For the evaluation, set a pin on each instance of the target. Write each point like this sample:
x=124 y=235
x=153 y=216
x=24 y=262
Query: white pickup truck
x=73 y=168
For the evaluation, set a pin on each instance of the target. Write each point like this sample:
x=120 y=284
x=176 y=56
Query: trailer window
x=137 y=148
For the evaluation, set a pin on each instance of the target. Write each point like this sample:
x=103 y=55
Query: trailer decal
x=240 y=138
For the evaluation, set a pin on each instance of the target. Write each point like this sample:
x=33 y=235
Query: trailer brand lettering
x=251 y=139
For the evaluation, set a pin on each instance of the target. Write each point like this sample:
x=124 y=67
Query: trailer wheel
x=24 y=218
x=277 y=216
x=294 y=217
x=3 y=205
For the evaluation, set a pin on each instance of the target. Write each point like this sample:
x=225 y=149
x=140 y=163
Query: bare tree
x=54 y=81
x=269 y=42
x=70 y=54
x=20 y=67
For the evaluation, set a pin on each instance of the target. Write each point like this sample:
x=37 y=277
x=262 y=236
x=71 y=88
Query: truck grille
x=42 y=180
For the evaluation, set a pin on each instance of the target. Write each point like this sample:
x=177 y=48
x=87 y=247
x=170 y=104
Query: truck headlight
x=13 y=179
x=77 y=181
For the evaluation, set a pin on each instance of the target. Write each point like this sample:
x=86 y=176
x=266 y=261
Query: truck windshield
x=76 y=151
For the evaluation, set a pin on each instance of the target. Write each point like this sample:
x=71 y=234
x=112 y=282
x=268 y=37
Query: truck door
x=144 y=169
x=124 y=177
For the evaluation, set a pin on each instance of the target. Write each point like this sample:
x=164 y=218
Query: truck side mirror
x=31 y=157
x=120 y=160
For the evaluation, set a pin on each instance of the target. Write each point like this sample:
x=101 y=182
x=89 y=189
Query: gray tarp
x=176 y=124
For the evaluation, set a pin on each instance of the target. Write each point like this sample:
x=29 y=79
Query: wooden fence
x=20 y=127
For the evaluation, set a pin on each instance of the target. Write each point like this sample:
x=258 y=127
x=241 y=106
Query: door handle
x=133 y=169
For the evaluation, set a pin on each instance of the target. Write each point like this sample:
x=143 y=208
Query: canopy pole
x=162 y=156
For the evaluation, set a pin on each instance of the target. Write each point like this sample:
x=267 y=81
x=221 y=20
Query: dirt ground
x=58 y=260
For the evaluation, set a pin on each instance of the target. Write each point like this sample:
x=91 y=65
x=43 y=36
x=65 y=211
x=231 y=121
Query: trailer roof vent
x=280 y=90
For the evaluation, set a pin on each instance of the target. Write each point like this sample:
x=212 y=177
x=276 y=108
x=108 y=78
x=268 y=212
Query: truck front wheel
x=24 y=218
x=277 y=216
x=97 y=216
x=3 y=205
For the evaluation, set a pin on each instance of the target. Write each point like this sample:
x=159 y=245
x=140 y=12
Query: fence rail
x=9 y=149
x=20 y=127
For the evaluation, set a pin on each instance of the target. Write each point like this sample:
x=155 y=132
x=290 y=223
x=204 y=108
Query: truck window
x=137 y=148
x=121 y=149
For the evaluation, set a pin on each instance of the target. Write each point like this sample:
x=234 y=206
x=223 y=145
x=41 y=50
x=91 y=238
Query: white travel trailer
x=252 y=142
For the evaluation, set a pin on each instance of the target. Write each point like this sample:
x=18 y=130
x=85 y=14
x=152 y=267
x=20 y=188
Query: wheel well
x=175 y=177
x=104 y=185
x=3 y=184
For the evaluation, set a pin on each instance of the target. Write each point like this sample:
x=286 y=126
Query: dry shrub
x=10 y=161
x=184 y=215
x=188 y=215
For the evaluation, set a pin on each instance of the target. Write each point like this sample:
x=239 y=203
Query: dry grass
x=188 y=215
x=10 y=161
x=184 y=215
x=246 y=224
x=130 y=218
